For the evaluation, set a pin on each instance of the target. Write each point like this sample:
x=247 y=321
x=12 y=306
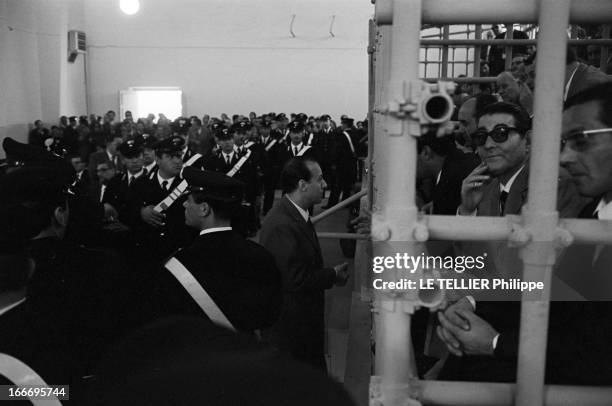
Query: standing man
x=271 y=164
x=345 y=158
x=296 y=146
x=160 y=228
x=290 y=236
x=239 y=275
x=324 y=148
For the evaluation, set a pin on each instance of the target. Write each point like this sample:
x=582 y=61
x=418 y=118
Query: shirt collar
x=136 y=175
x=149 y=168
x=604 y=210
x=508 y=185
x=298 y=146
x=231 y=154
x=161 y=180
x=215 y=230
x=111 y=157
x=303 y=213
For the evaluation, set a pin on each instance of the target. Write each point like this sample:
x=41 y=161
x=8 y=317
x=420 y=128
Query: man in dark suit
x=238 y=164
x=323 y=144
x=297 y=146
x=439 y=159
x=497 y=54
x=583 y=327
x=160 y=228
x=345 y=158
x=271 y=163
x=239 y=275
x=109 y=154
x=39 y=134
x=291 y=238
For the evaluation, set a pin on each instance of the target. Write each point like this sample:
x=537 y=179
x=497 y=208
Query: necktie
x=165 y=185
x=295 y=151
x=130 y=179
x=503 y=196
x=228 y=161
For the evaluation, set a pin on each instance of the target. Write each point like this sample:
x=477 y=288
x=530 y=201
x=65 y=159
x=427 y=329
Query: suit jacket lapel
x=303 y=226
x=518 y=193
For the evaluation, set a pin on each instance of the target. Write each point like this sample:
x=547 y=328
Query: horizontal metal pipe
x=467 y=228
x=475 y=42
x=518 y=11
x=484 y=79
x=344 y=236
x=444 y=393
x=589 y=231
x=339 y=206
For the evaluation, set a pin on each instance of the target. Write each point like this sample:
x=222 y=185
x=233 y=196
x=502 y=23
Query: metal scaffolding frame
x=394 y=215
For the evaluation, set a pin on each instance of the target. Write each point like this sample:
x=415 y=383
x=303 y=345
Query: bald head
x=508 y=88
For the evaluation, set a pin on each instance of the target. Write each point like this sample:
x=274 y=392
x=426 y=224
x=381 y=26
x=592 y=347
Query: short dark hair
x=223 y=210
x=522 y=121
x=294 y=170
x=601 y=94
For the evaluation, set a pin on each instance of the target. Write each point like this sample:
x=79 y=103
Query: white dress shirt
x=303 y=213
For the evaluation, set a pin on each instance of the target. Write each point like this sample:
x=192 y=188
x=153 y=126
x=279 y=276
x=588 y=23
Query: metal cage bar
x=539 y=222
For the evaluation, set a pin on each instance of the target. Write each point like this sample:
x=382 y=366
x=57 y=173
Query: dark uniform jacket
x=79 y=301
x=159 y=242
x=324 y=146
x=247 y=173
x=288 y=152
x=240 y=276
x=294 y=244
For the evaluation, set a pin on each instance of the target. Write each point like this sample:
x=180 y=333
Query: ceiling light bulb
x=129 y=7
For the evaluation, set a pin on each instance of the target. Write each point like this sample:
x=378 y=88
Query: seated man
x=579 y=332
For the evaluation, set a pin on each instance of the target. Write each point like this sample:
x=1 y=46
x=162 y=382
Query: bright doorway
x=144 y=100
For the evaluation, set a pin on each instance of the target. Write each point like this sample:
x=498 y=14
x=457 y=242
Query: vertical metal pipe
x=477 y=52
x=383 y=55
x=540 y=214
x=604 y=49
x=372 y=54
x=397 y=213
x=445 y=35
x=509 y=35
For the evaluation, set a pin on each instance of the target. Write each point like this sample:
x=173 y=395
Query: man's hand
x=472 y=189
x=478 y=340
x=342 y=274
x=151 y=217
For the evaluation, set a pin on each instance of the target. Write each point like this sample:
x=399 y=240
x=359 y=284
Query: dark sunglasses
x=577 y=139
x=499 y=133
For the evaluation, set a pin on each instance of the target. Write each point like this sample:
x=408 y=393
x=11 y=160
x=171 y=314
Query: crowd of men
x=105 y=226
x=104 y=238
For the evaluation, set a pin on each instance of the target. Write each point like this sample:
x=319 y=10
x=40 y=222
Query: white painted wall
x=36 y=80
x=233 y=56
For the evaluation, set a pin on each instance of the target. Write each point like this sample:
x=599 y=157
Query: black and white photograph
x=306 y=202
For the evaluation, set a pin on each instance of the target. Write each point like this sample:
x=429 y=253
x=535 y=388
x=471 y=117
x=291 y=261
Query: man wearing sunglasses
x=495 y=188
x=499 y=185
x=578 y=350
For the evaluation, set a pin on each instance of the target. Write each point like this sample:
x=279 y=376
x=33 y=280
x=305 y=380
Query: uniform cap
x=131 y=148
x=215 y=185
x=296 y=126
x=171 y=144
